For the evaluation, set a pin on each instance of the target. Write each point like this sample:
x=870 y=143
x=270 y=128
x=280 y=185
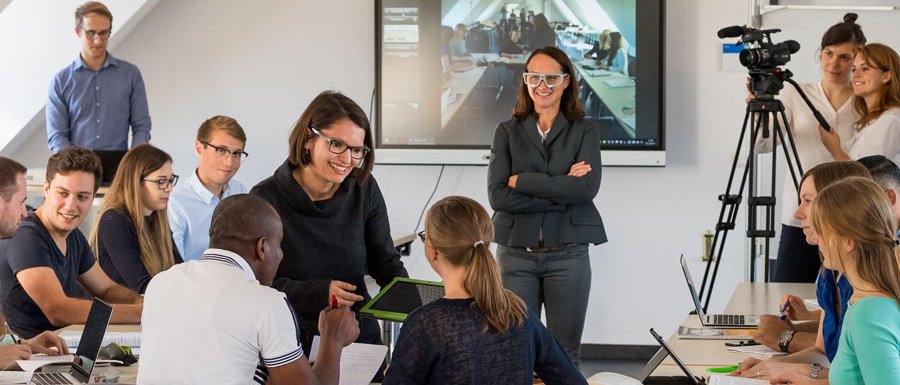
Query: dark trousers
x=797 y=260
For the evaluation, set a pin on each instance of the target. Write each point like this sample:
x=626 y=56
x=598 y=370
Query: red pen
x=334 y=303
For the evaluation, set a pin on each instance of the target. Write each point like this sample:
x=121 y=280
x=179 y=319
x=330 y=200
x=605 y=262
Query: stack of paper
x=130 y=339
x=761 y=351
x=685 y=332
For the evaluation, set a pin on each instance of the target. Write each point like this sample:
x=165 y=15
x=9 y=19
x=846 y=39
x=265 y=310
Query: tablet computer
x=401 y=297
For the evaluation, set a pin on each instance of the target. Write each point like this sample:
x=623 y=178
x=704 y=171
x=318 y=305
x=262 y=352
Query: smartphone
x=742 y=343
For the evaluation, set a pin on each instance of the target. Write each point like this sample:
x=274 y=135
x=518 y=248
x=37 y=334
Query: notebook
x=401 y=297
x=716 y=320
x=690 y=333
x=89 y=348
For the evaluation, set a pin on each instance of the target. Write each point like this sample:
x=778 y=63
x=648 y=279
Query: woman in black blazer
x=543 y=176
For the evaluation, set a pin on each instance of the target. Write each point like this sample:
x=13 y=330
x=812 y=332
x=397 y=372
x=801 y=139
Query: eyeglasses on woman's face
x=163 y=183
x=338 y=147
x=534 y=79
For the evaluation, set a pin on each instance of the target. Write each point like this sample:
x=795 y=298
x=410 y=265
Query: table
x=619 y=100
x=748 y=298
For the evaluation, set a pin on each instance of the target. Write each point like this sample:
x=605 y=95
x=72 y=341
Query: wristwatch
x=814 y=371
x=784 y=339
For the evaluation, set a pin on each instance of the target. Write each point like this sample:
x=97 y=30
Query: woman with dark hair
x=132 y=239
x=541 y=184
x=833 y=97
x=876 y=84
x=543 y=35
x=479 y=332
x=335 y=220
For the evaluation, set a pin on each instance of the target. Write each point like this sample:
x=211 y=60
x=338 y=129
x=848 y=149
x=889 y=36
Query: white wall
x=262 y=62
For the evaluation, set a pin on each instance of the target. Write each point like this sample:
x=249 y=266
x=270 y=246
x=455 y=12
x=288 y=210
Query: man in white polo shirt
x=216 y=320
x=220 y=150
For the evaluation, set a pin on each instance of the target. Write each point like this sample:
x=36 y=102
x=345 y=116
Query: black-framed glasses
x=163 y=183
x=421 y=235
x=533 y=79
x=223 y=151
x=91 y=34
x=338 y=147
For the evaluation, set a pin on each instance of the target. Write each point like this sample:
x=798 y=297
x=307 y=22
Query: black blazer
x=545 y=201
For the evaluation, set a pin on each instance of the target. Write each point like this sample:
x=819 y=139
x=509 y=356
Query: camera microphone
x=733 y=31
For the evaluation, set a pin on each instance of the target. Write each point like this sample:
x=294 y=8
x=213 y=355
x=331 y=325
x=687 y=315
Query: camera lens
x=750 y=56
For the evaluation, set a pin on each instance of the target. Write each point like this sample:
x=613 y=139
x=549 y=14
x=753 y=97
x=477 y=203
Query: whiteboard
x=807 y=26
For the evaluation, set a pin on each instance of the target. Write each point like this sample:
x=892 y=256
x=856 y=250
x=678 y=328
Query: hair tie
x=897 y=242
x=480 y=242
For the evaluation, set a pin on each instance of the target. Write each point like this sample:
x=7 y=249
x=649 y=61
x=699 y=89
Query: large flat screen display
x=448 y=71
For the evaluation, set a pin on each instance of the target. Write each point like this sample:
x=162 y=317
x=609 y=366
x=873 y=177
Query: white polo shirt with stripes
x=209 y=321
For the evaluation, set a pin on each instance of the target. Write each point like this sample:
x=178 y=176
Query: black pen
x=13 y=336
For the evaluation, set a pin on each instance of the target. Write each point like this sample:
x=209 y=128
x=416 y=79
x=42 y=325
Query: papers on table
x=131 y=339
x=36 y=361
x=761 y=351
x=359 y=362
x=619 y=83
x=718 y=379
x=15 y=377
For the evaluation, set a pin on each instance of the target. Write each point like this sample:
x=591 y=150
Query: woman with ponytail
x=857 y=236
x=479 y=333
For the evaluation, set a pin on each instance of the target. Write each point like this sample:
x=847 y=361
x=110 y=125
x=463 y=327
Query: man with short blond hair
x=220 y=150
x=95 y=100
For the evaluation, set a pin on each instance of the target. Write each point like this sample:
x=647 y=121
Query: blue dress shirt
x=94 y=109
x=191 y=208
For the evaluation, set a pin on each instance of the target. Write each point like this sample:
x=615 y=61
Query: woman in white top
x=833 y=97
x=875 y=82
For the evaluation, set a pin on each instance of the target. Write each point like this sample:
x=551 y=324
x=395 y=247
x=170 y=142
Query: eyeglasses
x=222 y=151
x=338 y=147
x=91 y=34
x=164 y=183
x=421 y=235
x=533 y=79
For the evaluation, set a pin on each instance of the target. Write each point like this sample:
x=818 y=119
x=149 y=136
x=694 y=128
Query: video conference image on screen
x=451 y=70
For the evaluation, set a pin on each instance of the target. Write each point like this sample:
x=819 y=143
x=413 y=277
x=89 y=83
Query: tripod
x=765 y=112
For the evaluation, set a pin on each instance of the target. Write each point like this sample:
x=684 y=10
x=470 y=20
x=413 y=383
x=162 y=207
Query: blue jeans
x=559 y=280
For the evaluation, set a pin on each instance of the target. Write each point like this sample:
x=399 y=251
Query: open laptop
x=109 y=160
x=79 y=372
x=401 y=297
x=717 y=320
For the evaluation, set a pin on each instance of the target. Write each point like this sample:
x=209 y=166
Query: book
x=758 y=351
x=690 y=333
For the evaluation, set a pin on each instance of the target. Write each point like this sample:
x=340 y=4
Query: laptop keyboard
x=50 y=378
x=727 y=319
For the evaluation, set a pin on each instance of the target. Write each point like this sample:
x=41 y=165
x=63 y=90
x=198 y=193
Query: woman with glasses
x=335 y=220
x=132 y=238
x=479 y=332
x=542 y=179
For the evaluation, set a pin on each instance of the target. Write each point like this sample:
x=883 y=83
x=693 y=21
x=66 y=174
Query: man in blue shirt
x=220 y=149
x=94 y=100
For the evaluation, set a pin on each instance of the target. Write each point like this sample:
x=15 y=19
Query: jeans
x=558 y=280
x=797 y=260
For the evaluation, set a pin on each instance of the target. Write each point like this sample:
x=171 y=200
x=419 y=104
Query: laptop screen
x=690 y=283
x=92 y=335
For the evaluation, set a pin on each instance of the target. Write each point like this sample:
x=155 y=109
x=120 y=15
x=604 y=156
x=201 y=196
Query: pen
x=13 y=336
x=334 y=302
x=724 y=369
x=784 y=308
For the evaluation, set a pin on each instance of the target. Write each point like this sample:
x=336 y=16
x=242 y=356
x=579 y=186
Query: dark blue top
x=443 y=343
x=120 y=253
x=31 y=247
x=834 y=304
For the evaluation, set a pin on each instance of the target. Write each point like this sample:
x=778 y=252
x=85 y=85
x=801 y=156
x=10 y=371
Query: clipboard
x=401 y=297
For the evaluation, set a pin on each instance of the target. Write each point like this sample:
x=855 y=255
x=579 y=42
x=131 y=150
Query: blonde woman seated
x=857 y=236
x=479 y=333
x=132 y=239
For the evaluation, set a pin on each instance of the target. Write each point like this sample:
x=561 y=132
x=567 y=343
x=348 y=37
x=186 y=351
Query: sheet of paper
x=755 y=350
x=359 y=362
x=14 y=377
x=36 y=361
x=132 y=339
x=717 y=379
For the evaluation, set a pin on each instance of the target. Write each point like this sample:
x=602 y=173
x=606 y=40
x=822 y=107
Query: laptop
x=717 y=320
x=401 y=297
x=79 y=372
x=109 y=160
x=691 y=378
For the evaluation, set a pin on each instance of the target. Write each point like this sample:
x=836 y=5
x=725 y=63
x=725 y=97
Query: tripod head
x=766 y=83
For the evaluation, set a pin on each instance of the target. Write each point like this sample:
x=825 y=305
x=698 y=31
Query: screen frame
x=480 y=155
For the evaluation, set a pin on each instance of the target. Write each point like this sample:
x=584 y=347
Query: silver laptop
x=717 y=320
x=79 y=372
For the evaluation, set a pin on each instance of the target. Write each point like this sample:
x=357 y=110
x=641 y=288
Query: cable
x=372 y=105
x=436 y=184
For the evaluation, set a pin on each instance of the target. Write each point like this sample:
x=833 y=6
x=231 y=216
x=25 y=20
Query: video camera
x=762 y=58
